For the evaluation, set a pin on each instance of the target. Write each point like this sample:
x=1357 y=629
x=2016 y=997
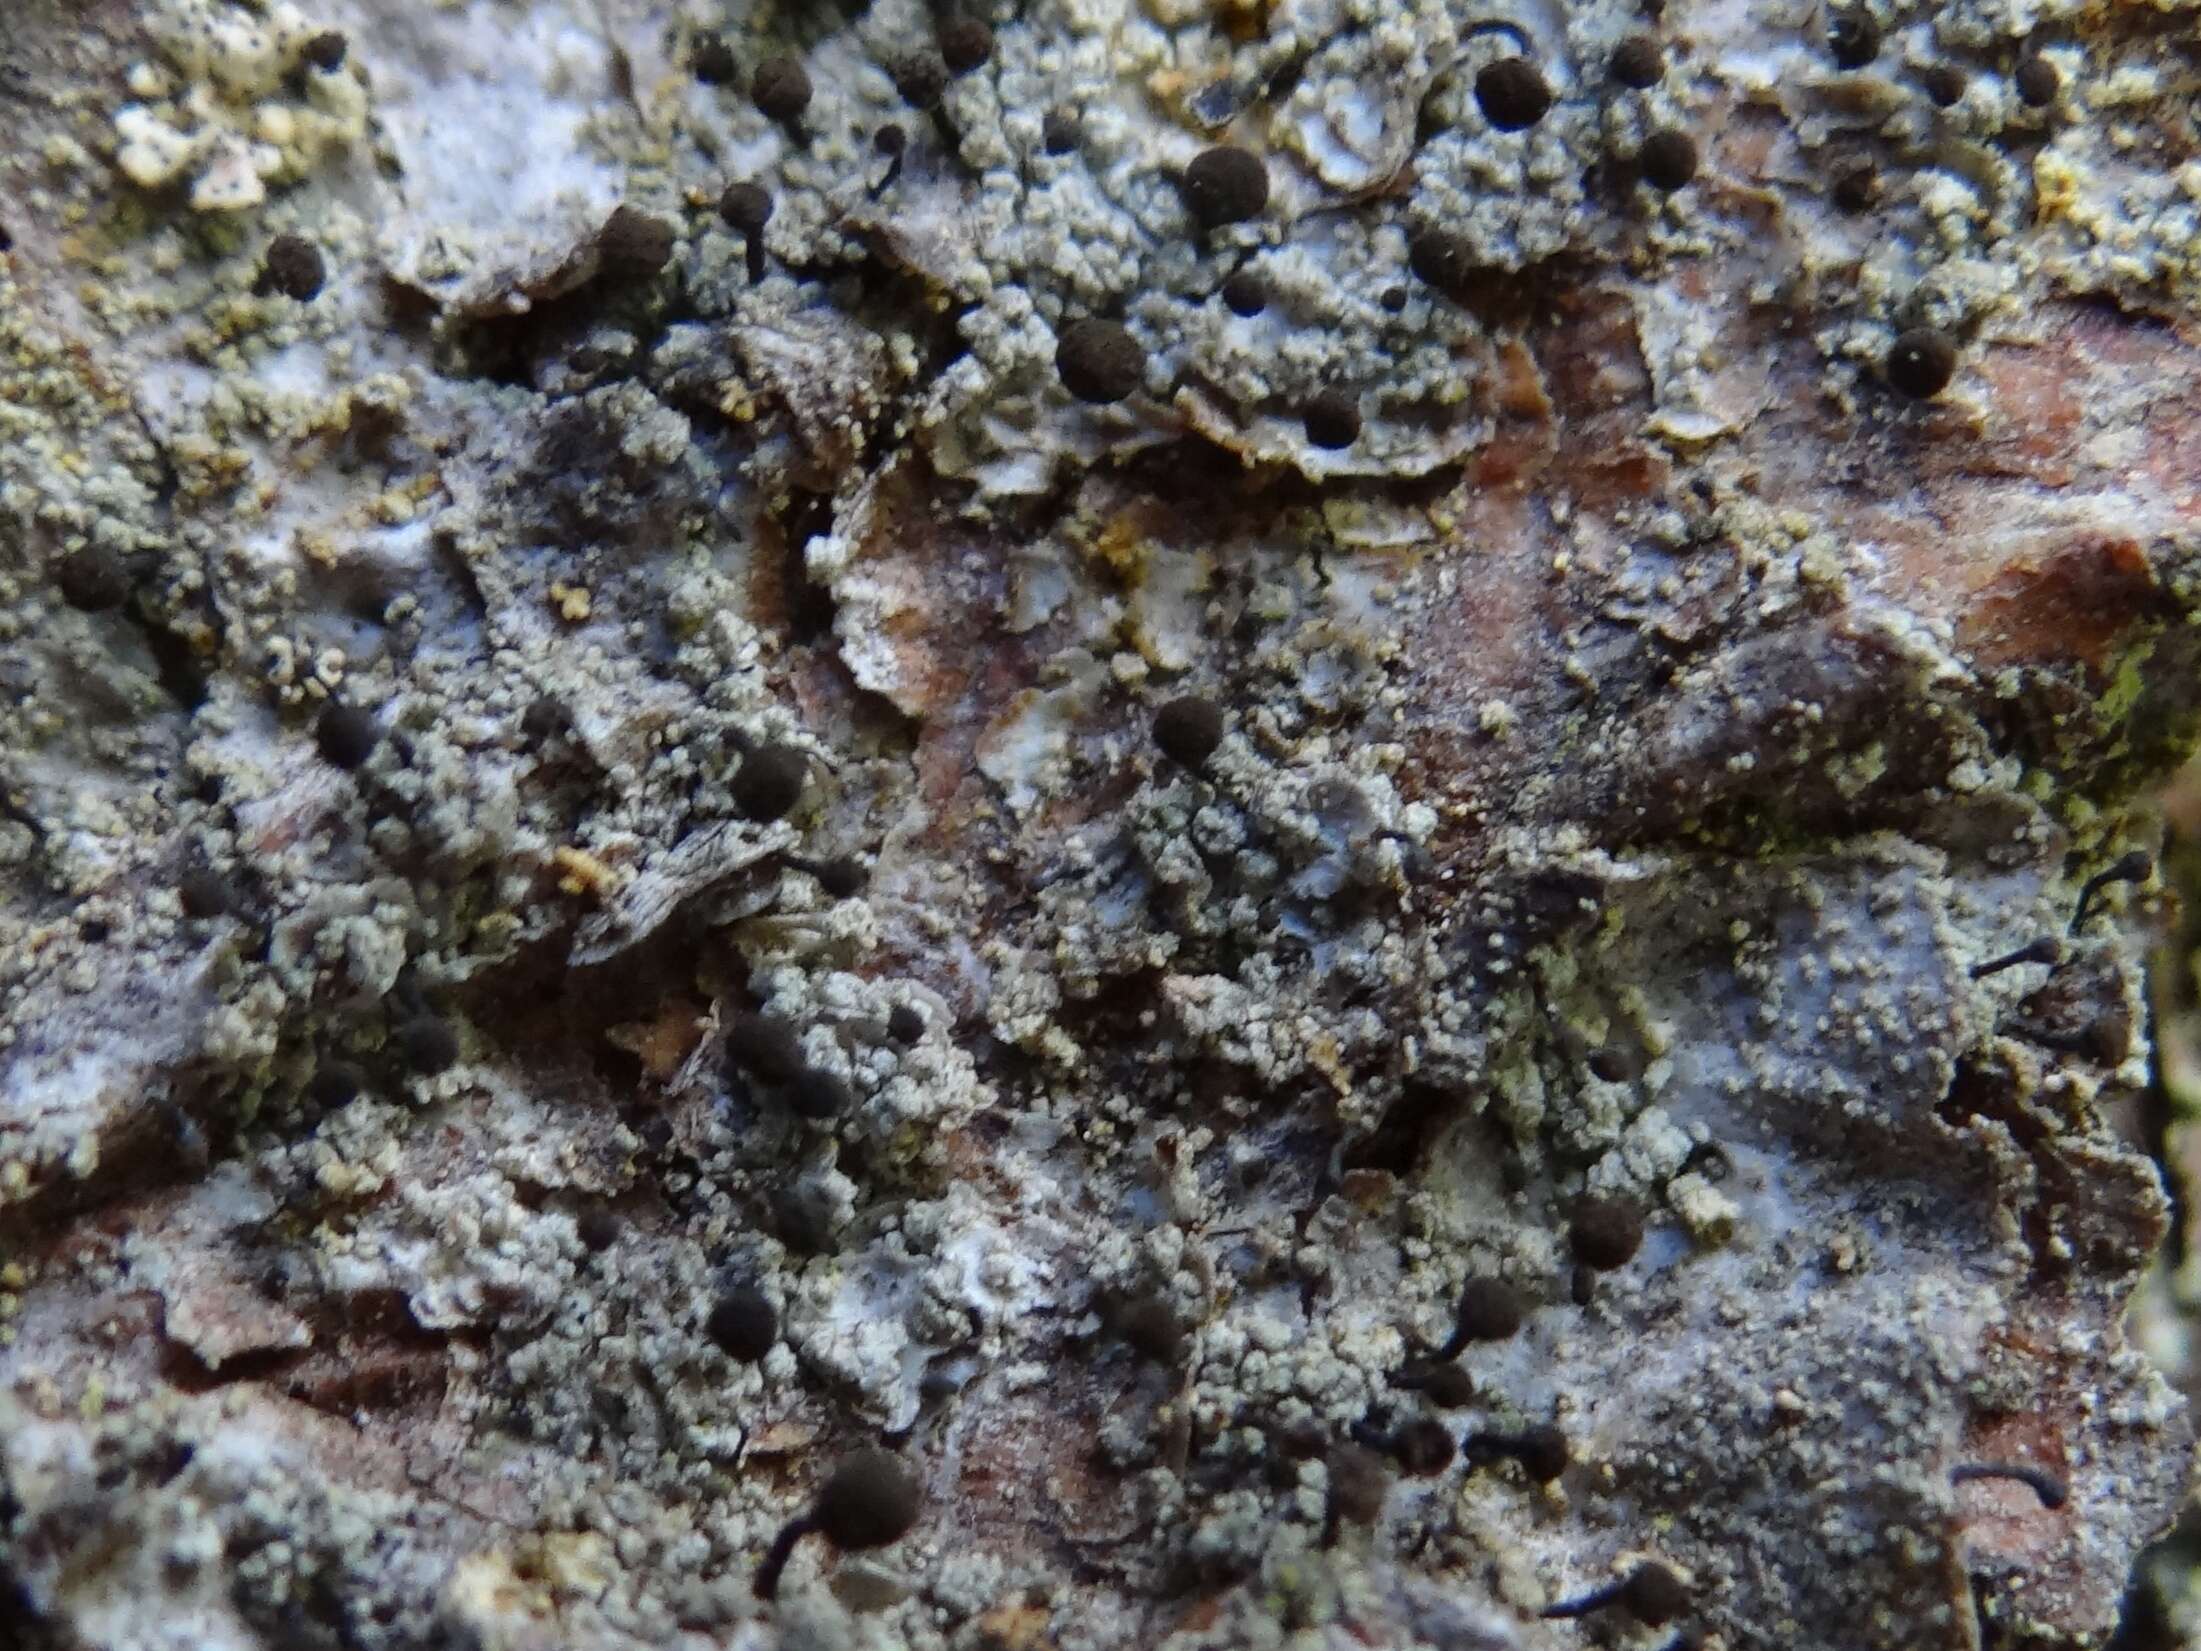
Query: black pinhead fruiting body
x=2134 y=866
x=871 y=1499
x=205 y=893
x=711 y=60
x=1150 y=1325
x=1638 y=62
x=1489 y=1309
x=1668 y=159
x=1442 y=258
x=1856 y=188
x=921 y=77
x=1445 y=1385
x=1541 y=1450
x=1225 y=185
x=1359 y=1482
x=1511 y=94
x=2038 y=80
x=781 y=89
x=294 y=267
x=765 y=1048
x=1605 y=1233
x=905 y=1024
x=1853 y=38
x=428 y=1045
x=1188 y=730
x=1423 y=1447
x=92 y=580
x=817 y=1094
x=747 y=208
x=965 y=44
x=769 y=782
x=1652 y=1593
x=1944 y=84
x=742 y=1323
x=1245 y=293
x=335 y=1084
x=325 y=51
x=1099 y=361
x=1332 y=420
x=839 y=879
x=1921 y=362
x=346 y=736
x=597 y=1228
x=633 y=243
x=2045 y=949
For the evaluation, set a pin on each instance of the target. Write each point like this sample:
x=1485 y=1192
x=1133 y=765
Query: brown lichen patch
x=2076 y=602
x=664 y=1041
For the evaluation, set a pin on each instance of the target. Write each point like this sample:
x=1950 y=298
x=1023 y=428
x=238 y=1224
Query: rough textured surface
x=1638 y=741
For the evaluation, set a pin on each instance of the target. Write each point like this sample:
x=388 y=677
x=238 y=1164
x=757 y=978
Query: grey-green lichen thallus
x=1084 y=824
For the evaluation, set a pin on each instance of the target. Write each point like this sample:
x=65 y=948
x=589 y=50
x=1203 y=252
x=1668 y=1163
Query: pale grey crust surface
x=1635 y=741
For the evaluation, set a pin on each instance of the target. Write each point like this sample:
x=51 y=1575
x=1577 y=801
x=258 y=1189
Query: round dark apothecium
x=1668 y=159
x=1943 y=84
x=294 y=267
x=1359 y=1483
x=1423 y=1447
x=335 y=1084
x=781 y=88
x=634 y=243
x=1443 y=258
x=766 y=1048
x=965 y=43
x=1856 y=189
x=1333 y=420
x=92 y=580
x=1489 y=1309
x=1638 y=62
x=597 y=1228
x=817 y=1094
x=325 y=51
x=746 y=207
x=1245 y=292
x=841 y=879
x=871 y=1500
x=921 y=77
x=1150 y=1326
x=1921 y=362
x=1541 y=1450
x=428 y=1045
x=205 y=893
x=1605 y=1233
x=1512 y=94
x=1188 y=730
x=769 y=782
x=742 y=1323
x=1099 y=361
x=711 y=60
x=905 y=1024
x=1853 y=38
x=1225 y=185
x=346 y=736
x=2038 y=80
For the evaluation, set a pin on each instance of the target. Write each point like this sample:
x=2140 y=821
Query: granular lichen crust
x=1345 y=798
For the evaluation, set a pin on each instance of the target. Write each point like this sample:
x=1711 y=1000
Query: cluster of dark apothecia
x=1098 y=359
x=872 y=1500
